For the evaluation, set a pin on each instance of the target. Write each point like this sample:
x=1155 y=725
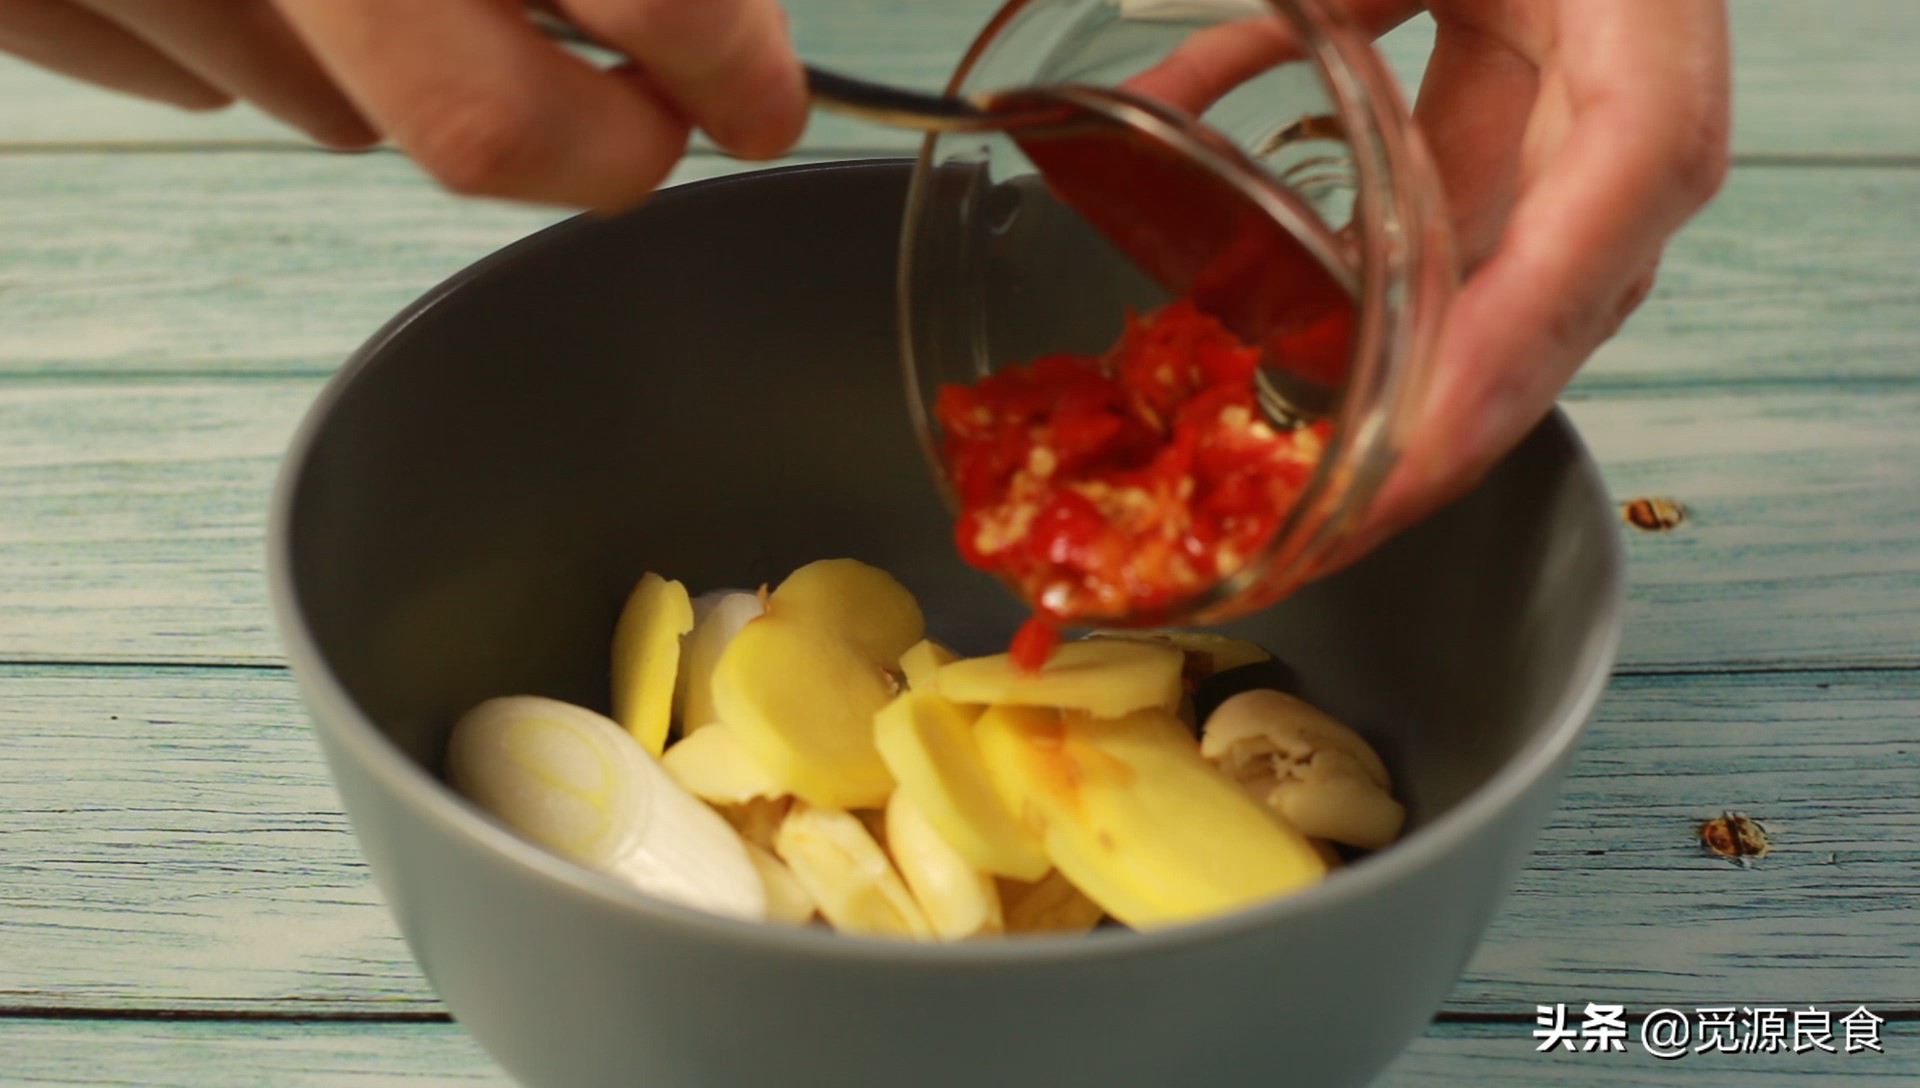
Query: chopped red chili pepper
x=1126 y=482
x=1034 y=643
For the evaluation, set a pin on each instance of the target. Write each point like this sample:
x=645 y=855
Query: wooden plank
x=247 y=262
x=1791 y=274
x=261 y=263
x=1503 y=1056
x=137 y=1054
x=1798 y=546
x=1620 y=902
x=208 y=836
x=1826 y=79
x=134 y=510
x=207 y=831
x=133 y=518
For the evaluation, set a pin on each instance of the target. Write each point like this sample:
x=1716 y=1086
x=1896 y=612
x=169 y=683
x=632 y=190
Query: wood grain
x=186 y=815
x=136 y=1054
x=1502 y=1056
x=187 y=810
x=1621 y=903
x=232 y=262
x=134 y=513
x=1810 y=79
x=1797 y=274
x=277 y=264
x=173 y=287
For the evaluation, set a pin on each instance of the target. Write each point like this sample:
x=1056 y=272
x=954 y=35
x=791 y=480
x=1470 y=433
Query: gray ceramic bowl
x=709 y=387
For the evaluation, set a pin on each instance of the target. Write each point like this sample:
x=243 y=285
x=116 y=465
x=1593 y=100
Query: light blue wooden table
x=181 y=902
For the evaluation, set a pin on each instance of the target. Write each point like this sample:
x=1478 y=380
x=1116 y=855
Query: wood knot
x=1734 y=835
x=1653 y=515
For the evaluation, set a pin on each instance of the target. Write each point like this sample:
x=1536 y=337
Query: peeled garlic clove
x=758 y=819
x=1317 y=774
x=849 y=877
x=1347 y=810
x=1049 y=905
x=960 y=901
x=715 y=766
x=1213 y=690
x=787 y=899
x=1289 y=726
x=717 y=618
x=576 y=783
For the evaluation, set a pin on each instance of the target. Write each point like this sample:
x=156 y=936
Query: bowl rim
x=345 y=728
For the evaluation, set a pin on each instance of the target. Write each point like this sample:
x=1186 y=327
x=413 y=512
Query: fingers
x=1627 y=141
x=1475 y=100
x=73 y=41
x=244 y=48
x=727 y=64
x=488 y=107
x=1215 y=59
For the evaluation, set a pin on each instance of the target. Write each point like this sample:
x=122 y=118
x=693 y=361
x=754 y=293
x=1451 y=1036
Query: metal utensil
x=1177 y=198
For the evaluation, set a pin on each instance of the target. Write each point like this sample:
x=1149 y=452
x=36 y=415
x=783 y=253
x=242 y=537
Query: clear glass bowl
x=994 y=270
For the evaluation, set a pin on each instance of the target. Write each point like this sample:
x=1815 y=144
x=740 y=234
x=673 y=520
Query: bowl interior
x=709 y=387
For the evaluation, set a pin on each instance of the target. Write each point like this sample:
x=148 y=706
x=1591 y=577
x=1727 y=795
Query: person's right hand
x=1572 y=138
x=468 y=88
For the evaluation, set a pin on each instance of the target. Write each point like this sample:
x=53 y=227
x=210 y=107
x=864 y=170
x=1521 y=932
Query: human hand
x=1573 y=138
x=468 y=88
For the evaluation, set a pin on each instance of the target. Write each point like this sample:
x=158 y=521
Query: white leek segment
x=575 y=782
x=717 y=616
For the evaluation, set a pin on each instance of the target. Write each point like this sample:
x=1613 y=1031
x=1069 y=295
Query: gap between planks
x=1895 y=1015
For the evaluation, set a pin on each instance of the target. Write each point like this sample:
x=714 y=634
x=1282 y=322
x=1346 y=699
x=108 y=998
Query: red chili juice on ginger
x=1126 y=482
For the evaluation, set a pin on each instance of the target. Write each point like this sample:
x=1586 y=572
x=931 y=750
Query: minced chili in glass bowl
x=1109 y=447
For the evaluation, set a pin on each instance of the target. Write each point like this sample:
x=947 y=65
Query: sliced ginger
x=802 y=704
x=921 y=660
x=801 y=683
x=1222 y=652
x=646 y=658
x=716 y=766
x=980 y=799
x=928 y=744
x=1108 y=678
x=1129 y=812
x=859 y=603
